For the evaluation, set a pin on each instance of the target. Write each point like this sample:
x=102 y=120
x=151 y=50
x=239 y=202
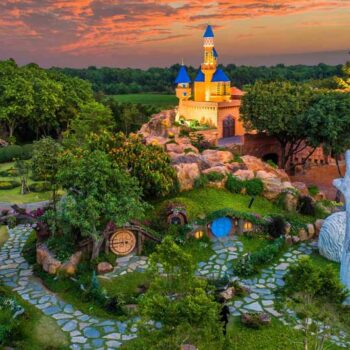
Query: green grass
x=14 y=195
x=126 y=285
x=3 y=235
x=253 y=244
x=274 y=337
x=149 y=99
x=204 y=201
x=37 y=331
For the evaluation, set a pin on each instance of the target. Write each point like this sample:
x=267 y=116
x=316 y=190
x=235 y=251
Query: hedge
x=8 y=185
x=12 y=152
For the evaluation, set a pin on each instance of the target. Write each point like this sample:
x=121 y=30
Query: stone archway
x=228 y=127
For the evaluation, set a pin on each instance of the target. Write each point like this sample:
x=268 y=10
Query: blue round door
x=221 y=227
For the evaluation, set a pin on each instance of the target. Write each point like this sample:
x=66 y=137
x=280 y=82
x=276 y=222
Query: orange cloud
x=80 y=27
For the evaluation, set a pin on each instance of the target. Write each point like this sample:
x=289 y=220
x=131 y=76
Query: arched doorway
x=228 y=127
x=272 y=157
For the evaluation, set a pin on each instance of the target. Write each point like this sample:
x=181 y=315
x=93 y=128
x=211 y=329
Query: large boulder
x=244 y=174
x=301 y=187
x=104 y=267
x=48 y=262
x=161 y=124
x=186 y=174
x=255 y=164
x=332 y=235
x=70 y=267
x=273 y=186
x=214 y=157
x=180 y=148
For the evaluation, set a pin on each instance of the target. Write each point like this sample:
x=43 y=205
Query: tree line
x=35 y=102
x=114 y=81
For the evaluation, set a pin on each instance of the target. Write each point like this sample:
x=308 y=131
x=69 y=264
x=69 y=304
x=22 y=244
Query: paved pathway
x=86 y=332
x=218 y=265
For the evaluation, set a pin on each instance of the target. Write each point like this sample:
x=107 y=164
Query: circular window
x=221 y=227
x=122 y=242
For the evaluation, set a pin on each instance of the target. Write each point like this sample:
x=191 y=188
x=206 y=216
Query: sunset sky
x=138 y=33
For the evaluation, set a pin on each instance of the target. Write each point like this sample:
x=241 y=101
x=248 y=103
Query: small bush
x=249 y=264
x=214 y=176
x=308 y=278
x=237 y=158
x=233 y=184
x=201 y=181
x=254 y=187
x=272 y=163
x=40 y=187
x=8 y=185
x=255 y=320
x=276 y=226
x=313 y=190
x=9 y=153
x=306 y=206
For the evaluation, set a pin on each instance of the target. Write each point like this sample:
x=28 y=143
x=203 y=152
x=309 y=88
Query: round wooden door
x=122 y=242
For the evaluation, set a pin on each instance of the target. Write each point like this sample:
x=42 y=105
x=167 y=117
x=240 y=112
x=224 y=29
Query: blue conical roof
x=182 y=76
x=215 y=53
x=208 y=32
x=219 y=76
x=200 y=76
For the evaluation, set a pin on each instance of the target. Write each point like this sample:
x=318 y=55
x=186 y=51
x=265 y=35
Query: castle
x=210 y=99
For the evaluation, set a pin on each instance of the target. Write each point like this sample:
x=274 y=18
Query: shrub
x=40 y=187
x=309 y=278
x=255 y=320
x=233 y=184
x=313 y=190
x=214 y=176
x=249 y=264
x=237 y=158
x=9 y=324
x=272 y=163
x=7 y=185
x=9 y=153
x=276 y=226
x=254 y=187
x=200 y=181
x=306 y=206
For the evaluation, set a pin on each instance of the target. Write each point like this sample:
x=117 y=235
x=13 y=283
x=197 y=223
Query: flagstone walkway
x=88 y=332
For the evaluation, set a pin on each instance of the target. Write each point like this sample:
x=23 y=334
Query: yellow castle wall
x=212 y=113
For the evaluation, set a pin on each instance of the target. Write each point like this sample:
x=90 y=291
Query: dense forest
x=113 y=81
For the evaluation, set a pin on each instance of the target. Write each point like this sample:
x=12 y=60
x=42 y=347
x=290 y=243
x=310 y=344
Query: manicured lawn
x=126 y=285
x=3 y=235
x=275 y=337
x=203 y=201
x=253 y=244
x=14 y=195
x=149 y=99
x=37 y=331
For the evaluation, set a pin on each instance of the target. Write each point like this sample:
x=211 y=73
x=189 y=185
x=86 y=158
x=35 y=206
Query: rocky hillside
x=190 y=163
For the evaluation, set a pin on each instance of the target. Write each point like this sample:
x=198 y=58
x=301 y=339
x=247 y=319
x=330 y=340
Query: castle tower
x=183 y=89
x=209 y=62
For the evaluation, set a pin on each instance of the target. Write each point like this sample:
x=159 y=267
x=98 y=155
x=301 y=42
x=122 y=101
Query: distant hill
x=114 y=81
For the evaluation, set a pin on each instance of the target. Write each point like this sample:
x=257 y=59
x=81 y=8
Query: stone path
x=218 y=265
x=261 y=297
x=86 y=332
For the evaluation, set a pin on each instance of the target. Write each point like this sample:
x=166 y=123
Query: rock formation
x=331 y=238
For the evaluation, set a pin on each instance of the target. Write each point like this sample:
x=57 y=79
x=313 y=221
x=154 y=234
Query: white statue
x=332 y=234
x=343 y=185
